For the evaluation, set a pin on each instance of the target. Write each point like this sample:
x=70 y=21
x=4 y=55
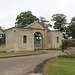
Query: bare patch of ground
x=46 y=70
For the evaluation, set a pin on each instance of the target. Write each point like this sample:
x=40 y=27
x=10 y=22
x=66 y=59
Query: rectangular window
x=57 y=39
x=24 y=39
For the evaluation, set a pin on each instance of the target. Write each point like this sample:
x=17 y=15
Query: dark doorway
x=38 y=41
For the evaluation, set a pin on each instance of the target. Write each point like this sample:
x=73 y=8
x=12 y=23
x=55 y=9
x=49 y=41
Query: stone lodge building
x=34 y=36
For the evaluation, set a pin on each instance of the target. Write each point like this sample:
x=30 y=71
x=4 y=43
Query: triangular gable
x=37 y=25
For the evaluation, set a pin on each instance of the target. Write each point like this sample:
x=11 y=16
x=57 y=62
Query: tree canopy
x=2 y=36
x=59 y=21
x=70 y=30
x=44 y=22
x=25 y=18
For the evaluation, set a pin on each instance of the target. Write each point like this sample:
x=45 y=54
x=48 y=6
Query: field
x=62 y=66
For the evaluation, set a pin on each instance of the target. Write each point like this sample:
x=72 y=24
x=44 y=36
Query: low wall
x=71 y=51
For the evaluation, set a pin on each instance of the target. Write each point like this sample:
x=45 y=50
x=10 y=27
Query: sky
x=9 y=9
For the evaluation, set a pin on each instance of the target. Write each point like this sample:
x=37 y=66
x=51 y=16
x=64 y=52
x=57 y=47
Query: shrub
x=68 y=43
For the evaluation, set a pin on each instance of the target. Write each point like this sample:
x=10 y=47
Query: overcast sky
x=9 y=9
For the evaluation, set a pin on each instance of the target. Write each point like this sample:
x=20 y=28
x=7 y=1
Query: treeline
x=59 y=20
x=2 y=36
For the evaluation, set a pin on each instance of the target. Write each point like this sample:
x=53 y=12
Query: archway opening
x=38 y=41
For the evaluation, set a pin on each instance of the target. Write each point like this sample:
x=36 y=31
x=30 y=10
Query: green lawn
x=54 y=49
x=12 y=54
x=62 y=66
x=2 y=48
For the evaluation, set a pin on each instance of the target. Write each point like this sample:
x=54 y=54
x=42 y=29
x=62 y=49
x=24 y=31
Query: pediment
x=36 y=25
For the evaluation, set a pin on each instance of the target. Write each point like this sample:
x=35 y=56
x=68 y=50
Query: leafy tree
x=25 y=18
x=2 y=36
x=59 y=21
x=70 y=30
x=44 y=22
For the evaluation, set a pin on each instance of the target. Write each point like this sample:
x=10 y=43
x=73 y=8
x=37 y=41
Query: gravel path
x=26 y=64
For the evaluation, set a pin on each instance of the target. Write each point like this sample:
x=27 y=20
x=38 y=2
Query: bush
x=68 y=43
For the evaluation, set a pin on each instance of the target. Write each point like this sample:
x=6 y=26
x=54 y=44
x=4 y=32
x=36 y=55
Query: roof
x=22 y=28
x=29 y=26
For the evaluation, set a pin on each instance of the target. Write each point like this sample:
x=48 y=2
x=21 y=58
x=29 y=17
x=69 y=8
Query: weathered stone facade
x=14 y=38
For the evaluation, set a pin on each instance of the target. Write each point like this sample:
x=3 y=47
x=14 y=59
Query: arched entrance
x=38 y=41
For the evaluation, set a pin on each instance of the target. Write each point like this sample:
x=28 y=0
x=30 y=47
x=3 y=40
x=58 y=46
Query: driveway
x=22 y=65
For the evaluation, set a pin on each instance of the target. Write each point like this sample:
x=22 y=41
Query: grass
x=54 y=49
x=62 y=66
x=12 y=54
x=2 y=48
x=66 y=56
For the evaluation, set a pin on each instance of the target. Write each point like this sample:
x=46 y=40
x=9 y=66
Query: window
x=57 y=39
x=24 y=39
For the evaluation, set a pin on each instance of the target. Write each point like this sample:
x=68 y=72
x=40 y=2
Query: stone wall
x=15 y=36
x=10 y=40
x=71 y=51
x=14 y=40
x=68 y=46
x=52 y=39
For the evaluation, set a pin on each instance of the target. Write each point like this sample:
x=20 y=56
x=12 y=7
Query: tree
x=25 y=18
x=2 y=36
x=44 y=22
x=70 y=30
x=59 y=21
